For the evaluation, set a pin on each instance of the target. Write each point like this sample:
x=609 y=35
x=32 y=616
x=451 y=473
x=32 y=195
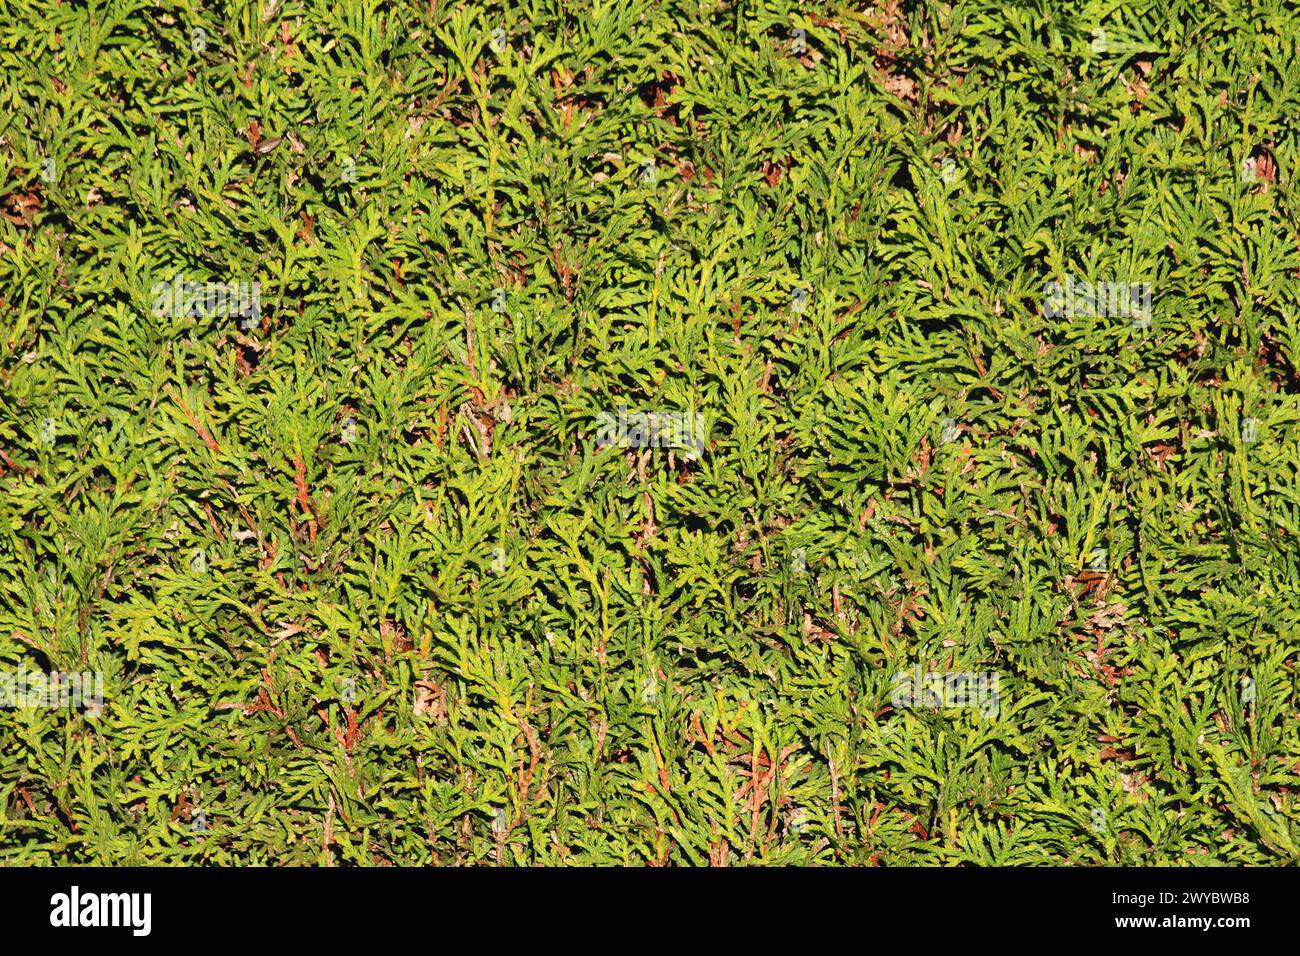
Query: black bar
x=314 y=906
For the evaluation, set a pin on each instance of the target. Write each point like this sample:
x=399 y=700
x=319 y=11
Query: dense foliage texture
x=364 y=587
